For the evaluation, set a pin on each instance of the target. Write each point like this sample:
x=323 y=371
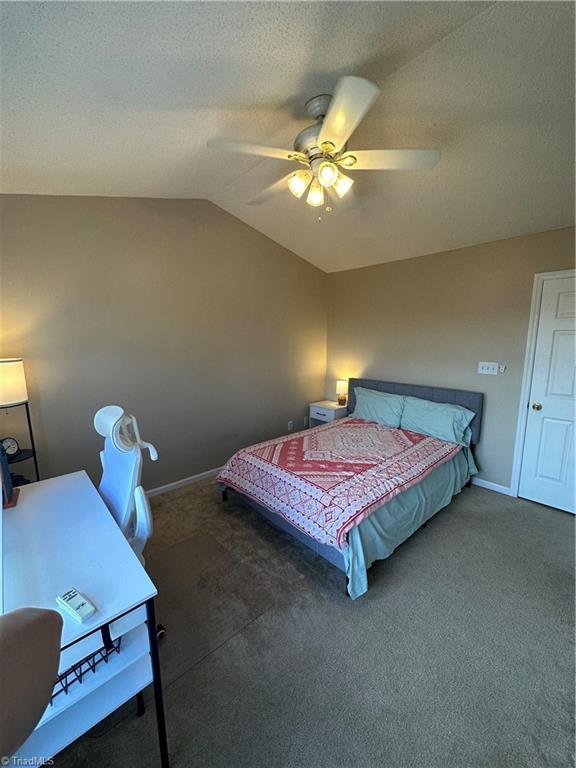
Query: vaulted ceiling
x=120 y=99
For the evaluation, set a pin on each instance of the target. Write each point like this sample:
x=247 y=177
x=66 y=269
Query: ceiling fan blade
x=274 y=189
x=391 y=159
x=260 y=150
x=352 y=98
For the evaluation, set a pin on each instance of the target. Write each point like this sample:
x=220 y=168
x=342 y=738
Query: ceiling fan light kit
x=299 y=181
x=327 y=173
x=316 y=194
x=342 y=184
x=322 y=147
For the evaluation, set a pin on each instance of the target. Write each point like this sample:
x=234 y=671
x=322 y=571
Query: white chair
x=121 y=474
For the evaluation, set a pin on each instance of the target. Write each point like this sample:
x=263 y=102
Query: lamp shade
x=12 y=382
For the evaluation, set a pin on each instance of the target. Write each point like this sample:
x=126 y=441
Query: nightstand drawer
x=325 y=414
x=325 y=411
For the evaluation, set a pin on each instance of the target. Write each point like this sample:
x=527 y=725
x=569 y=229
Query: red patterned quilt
x=326 y=480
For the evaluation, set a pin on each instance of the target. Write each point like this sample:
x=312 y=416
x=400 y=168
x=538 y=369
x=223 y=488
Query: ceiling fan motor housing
x=307 y=140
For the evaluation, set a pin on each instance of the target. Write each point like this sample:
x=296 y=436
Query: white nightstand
x=324 y=411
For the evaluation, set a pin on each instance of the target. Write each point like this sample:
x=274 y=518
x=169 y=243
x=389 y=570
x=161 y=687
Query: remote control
x=76 y=605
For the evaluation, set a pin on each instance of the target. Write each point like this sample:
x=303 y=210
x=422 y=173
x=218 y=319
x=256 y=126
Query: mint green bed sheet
x=386 y=528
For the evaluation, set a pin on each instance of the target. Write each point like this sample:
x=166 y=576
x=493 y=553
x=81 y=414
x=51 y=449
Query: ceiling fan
x=322 y=147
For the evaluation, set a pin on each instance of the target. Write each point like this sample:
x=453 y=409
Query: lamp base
x=341 y=399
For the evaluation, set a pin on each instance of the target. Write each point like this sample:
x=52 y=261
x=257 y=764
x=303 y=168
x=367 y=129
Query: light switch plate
x=488 y=368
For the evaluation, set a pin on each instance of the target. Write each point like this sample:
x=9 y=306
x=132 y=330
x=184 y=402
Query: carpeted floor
x=459 y=656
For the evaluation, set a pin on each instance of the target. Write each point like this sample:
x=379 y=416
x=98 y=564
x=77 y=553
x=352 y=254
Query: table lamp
x=341 y=391
x=13 y=393
x=12 y=382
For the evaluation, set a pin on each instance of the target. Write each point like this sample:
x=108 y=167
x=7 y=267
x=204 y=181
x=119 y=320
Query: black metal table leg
x=33 y=446
x=157 y=683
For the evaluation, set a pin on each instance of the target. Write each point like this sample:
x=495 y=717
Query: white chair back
x=121 y=474
x=121 y=471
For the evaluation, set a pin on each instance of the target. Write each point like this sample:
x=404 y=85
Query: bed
x=353 y=490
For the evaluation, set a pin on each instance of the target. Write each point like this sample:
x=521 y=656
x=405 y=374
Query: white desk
x=61 y=535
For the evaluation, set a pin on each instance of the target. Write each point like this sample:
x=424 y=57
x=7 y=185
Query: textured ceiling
x=120 y=99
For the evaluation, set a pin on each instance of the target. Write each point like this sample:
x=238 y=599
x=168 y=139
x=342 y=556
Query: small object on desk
x=325 y=411
x=9 y=493
x=76 y=605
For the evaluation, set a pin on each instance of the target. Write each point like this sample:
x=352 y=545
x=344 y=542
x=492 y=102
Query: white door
x=547 y=473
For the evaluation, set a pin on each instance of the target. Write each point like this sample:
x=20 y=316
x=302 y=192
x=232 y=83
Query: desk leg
x=157 y=683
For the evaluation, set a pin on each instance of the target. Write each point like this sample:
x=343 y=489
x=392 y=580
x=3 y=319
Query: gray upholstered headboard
x=471 y=400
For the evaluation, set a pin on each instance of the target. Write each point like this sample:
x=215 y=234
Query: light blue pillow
x=442 y=420
x=380 y=407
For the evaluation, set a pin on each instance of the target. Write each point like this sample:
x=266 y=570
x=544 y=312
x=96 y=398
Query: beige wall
x=211 y=333
x=215 y=336
x=430 y=320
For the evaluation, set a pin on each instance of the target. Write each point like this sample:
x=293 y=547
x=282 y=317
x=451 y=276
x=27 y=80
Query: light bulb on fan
x=316 y=194
x=298 y=182
x=342 y=184
x=327 y=173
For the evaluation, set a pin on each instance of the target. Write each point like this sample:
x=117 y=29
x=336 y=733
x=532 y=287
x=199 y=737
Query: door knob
x=536 y=406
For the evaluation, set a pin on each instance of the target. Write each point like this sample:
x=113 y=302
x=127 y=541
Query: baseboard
x=181 y=483
x=492 y=486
